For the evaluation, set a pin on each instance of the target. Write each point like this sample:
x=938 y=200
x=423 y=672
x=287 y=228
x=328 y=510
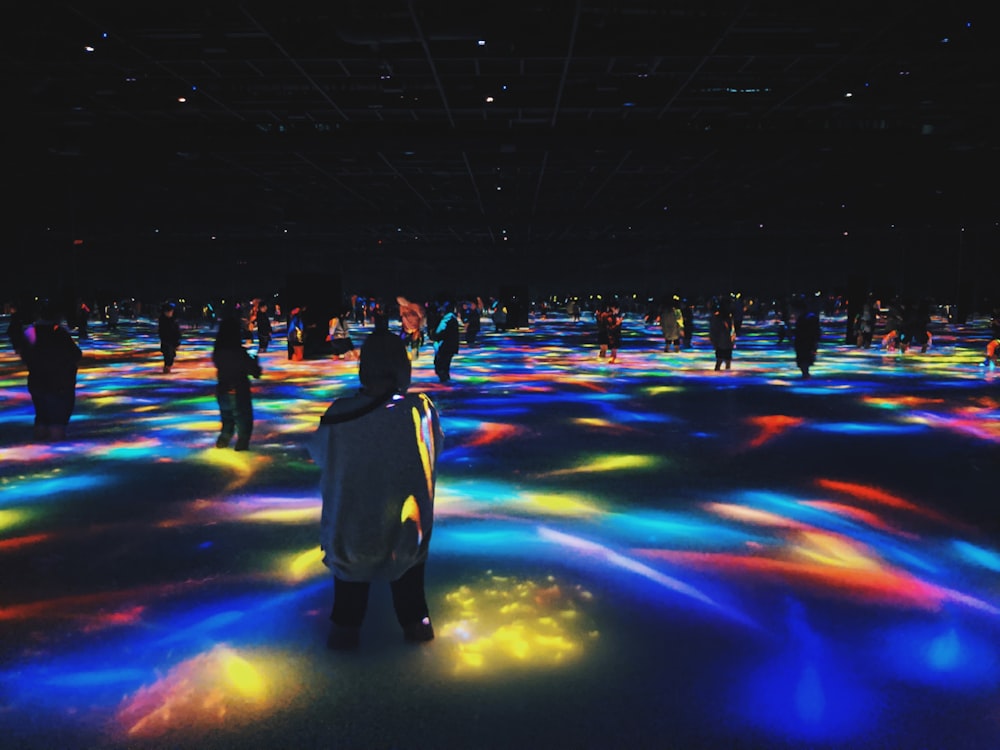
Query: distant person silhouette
x=807 y=335
x=52 y=358
x=234 y=367
x=169 y=331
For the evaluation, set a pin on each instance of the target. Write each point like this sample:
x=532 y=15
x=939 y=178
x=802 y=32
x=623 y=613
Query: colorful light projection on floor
x=507 y=623
x=643 y=478
x=222 y=687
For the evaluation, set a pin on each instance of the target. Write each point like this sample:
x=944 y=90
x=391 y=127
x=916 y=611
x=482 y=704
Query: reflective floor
x=639 y=554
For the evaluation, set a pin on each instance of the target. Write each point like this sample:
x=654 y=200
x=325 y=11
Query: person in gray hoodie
x=377 y=450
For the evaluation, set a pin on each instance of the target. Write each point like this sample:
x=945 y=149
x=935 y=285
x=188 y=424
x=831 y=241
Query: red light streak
x=492 y=432
x=771 y=426
x=23 y=541
x=875 y=495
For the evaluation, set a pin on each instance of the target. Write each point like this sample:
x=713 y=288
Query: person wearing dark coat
x=807 y=335
x=722 y=334
x=234 y=366
x=446 y=337
x=52 y=357
x=473 y=322
x=170 y=335
x=264 y=330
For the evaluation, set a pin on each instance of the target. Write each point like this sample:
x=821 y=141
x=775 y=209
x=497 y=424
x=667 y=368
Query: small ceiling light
x=181 y=99
x=88 y=48
x=481 y=42
x=489 y=99
x=848 y=95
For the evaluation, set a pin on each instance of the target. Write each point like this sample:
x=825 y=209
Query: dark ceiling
x=571 y=142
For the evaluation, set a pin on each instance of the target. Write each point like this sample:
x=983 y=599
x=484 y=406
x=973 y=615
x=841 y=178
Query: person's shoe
x=343 y=638
x=222 y=441
x=419 y=632
x=242 y=445
x=57 y=433
x=166 y=368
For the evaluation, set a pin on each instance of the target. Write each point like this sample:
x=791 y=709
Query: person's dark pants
x=350 y=599
x=169 y=355
x=53 y=407
x=723 y=357
x=264 y=342
x=236 y=411
x=442 y=363
x=340 y=347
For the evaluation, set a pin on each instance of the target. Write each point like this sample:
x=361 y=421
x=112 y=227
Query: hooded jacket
x=378 y=451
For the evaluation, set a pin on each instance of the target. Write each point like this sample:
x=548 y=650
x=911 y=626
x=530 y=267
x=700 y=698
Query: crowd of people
x=376 y=525
x=43 y=338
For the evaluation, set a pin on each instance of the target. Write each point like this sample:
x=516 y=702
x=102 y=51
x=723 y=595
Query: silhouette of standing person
x=722 y=334
x=82 y=321
x=446 y=341
x=377 y=451
x=296 y=335
x=807 y=335
x=234 y=367
x=672 y=324
x=613 y=321
x=52 y=358
x=170 y=335
x=264 y=331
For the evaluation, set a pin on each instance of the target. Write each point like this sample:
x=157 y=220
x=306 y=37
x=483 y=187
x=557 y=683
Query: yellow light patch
x=660 y=389
x=609 y=463
x=559 y=504
x=835 y=550
x=302 y=565
x=243 y=676
x=411 y=512
x=284 y=515
x=11 y=518
x=508 y=623
x=218 y=688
